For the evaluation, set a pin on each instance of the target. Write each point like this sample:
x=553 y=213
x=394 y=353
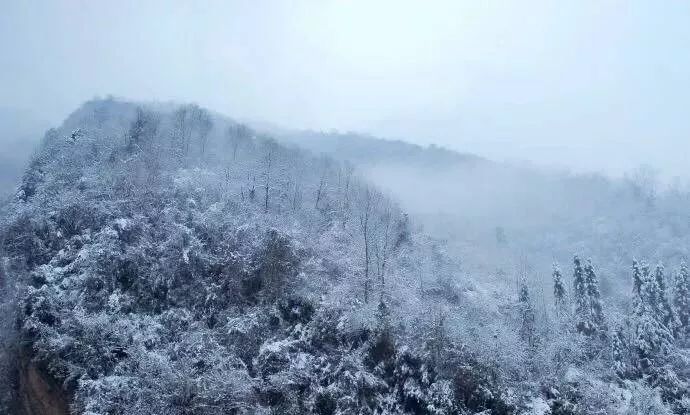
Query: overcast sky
x=593 y=85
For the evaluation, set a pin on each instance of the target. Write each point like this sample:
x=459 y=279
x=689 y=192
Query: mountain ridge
x=170 y=260
x=115 y=238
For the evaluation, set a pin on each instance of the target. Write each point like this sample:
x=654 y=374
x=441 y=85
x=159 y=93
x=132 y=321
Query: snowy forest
x=165 y=259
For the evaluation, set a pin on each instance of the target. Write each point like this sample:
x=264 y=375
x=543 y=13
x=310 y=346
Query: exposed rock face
x=38 y=394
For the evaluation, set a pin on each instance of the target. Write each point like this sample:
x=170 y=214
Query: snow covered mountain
x=167 y=260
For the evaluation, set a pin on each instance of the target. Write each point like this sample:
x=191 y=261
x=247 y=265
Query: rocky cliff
x=38 y=393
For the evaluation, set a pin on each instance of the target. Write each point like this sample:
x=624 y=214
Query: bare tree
x=644 y=181
x=181 y=131
x=268 y=164
x=252 y=187
x=296 y=198
x=322 y=184
x=189 y=122
x=345 y=197
x=376 y=225
x=382 y=243
x=143 y=128
x=237 y=135
x=204 y=124
x=365 y=228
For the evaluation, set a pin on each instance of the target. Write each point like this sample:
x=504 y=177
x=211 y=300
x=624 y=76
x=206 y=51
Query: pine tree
x=665 y=314
x=618 y=353
x=581 y=301
x=659 y=276
x=559 y=293
x=596 y=312
x=644 y=293
x=527 y=314
x=653 y=340
x=681 y=299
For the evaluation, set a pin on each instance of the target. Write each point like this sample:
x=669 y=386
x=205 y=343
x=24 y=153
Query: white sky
x=593 y=85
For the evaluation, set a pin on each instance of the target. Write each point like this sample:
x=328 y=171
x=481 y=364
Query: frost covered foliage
x=496 y=214
x=166 y=260
x=171 y=261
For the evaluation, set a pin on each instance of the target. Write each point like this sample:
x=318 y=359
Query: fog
x=591 y=86
x=336 y=208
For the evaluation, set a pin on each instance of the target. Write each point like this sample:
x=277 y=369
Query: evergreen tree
x=653 y=340
x=618 y=353
x=559 y=293
x=681 y=299
x=527 y=314
x=645 y=293
x=665 y=314
x=581 y=301
x=659 y=276
x=596 y=312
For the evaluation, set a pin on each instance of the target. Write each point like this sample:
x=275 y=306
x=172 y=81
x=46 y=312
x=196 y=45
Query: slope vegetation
x=171 y=261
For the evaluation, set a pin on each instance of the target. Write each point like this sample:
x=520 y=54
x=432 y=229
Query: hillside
x=167 y=260
x=498 y=218
x=176 y=262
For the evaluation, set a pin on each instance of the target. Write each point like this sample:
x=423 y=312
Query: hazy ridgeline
x=500 y=218
x=166 y=259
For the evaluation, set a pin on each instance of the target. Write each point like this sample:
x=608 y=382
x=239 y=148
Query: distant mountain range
x=367 y=150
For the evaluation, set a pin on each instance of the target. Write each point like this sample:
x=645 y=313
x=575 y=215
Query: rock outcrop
x=38 y=393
